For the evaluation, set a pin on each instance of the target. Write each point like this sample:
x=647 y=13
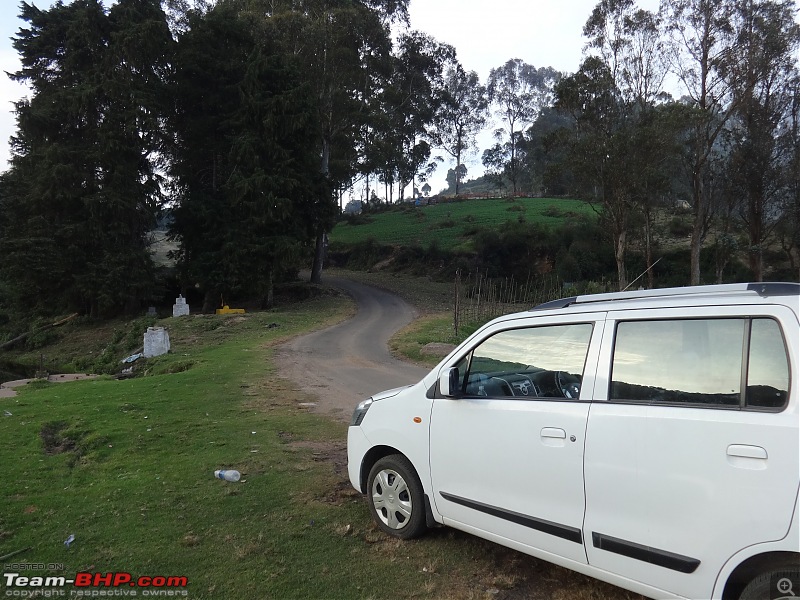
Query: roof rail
x=762 y=289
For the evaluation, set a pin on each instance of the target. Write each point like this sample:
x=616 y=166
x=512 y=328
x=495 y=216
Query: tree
x=599 y=147
x=629 y=42
x=519 y=91
x=545 y=154
x=408 y=103
x=461 y=114
x=344 y=46
x=84 y=183
x=789 y=228
x=760 y=81
x=703 y=40
x=245 y=161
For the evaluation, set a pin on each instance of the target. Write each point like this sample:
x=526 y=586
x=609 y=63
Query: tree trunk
x=319 y=258
x=319 y=245
x=210 y=301
x=620 y=240
x=648 y=246
x=268 y=299
x=19 y=338
x=697 y=227
x=755 y=255
x=694 y=259
x=721 y=264
x=756 y=260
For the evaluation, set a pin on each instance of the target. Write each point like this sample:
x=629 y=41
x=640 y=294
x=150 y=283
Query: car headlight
x=360 y=412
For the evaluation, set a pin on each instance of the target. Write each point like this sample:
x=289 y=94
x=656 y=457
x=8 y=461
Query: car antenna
x=642 y=275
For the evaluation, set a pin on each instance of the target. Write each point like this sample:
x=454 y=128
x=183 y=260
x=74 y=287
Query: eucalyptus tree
x=519 y=92
x=703 y=39
x=408 y=102
x=461 y=114
x=416 y=75
x=344 y=47
x=629 y=41
x=760 y=78
x=790 y=240
x=599 y=147
x=84 y=183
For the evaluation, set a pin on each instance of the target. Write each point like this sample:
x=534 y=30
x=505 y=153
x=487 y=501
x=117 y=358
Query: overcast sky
x=485 y=33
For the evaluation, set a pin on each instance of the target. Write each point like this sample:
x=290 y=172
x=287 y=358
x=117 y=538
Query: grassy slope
x=447 y=223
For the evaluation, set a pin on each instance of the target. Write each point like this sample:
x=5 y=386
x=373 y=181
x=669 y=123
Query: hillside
x=452 y=224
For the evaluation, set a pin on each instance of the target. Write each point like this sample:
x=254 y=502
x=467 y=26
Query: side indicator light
x=417 y=419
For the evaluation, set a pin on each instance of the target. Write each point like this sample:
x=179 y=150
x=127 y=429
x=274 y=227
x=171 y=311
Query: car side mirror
x=449 y=383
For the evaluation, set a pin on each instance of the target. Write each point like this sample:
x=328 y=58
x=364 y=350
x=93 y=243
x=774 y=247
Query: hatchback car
x=647 y=438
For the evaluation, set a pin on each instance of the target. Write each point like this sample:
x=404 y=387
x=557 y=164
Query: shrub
x=679 y=227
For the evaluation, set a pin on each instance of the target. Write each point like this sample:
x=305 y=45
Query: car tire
x=395 y=496
x=765 y=586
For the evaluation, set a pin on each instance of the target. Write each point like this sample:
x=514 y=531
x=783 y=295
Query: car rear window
x=700 y=362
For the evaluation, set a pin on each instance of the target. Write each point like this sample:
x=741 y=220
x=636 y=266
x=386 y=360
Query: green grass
x=127 y=467
x=451 y=224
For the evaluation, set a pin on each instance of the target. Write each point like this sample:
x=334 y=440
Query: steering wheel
x=569 y=385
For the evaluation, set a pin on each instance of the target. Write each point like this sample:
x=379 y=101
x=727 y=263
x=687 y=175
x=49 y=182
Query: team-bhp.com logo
x=94 y=585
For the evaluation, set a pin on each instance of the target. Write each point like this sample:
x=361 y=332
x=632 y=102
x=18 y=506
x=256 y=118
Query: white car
x=648 y=439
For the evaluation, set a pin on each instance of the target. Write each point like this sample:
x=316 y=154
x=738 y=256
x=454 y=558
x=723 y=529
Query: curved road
x=344 y=364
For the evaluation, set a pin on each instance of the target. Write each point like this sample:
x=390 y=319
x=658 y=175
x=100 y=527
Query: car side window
x=699 y=362
x=768 y=368
x=534 y=362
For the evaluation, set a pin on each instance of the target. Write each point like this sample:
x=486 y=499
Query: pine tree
x=82 y=189
x=244 y=160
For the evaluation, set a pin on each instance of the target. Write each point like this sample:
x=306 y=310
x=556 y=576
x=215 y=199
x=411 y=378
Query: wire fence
x=478 y=298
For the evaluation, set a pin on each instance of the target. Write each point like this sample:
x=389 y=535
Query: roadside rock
x=437 y=349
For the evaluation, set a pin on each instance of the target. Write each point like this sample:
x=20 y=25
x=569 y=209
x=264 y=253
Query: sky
x=485 y=34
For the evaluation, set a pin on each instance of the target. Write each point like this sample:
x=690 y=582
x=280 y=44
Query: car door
x=691 y=450
x=507 y=456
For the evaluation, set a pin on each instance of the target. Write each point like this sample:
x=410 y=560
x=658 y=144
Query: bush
x=359 y=219
x=446 y=224
x=360 y=256
x=680 y=227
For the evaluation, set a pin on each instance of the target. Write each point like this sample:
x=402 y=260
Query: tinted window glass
x=679 y=361
x=768 y=368
x=533 y=362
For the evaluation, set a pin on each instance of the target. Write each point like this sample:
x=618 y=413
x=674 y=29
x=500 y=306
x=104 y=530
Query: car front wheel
x=396 y=498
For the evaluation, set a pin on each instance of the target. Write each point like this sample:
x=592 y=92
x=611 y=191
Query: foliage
x=760 y=136
x=252 y=117
x=397 y=149
x=84 y=186
x=244 y=162
x=461 y=114
x=519 y=92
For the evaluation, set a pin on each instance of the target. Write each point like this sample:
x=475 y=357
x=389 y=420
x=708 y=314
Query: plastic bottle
x=227 y=474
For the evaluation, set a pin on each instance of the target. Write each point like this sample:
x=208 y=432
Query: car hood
x=389 y=393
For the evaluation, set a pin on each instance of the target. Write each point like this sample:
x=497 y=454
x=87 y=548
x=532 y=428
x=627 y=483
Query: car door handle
x=745 y=451
x=554 y=432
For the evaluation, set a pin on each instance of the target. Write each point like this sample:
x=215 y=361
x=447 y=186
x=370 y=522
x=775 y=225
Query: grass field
x=451 y=224
x=127 y=468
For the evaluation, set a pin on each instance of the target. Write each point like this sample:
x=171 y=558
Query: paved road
x=344 y=364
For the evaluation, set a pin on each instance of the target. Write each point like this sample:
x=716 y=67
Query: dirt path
x=8 y=389
x=347 y=363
